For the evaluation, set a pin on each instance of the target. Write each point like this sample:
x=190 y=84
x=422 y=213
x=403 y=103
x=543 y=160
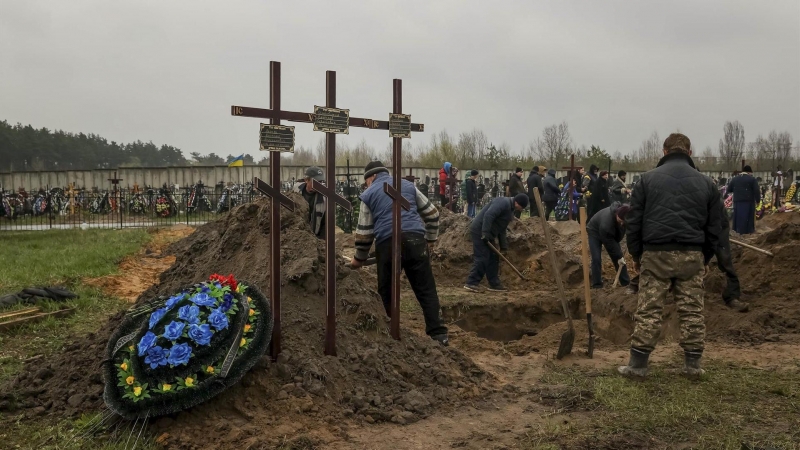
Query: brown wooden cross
x=451 y=181
x=410 y=177
x=71 y=193
x=115 y=181
x=571 y=190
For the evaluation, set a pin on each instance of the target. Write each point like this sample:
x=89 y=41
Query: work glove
x=622 y=262
x=485 y=239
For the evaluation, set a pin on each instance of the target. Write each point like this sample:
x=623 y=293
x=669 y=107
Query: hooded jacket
x=550 y=190
x=744 y=188
x=534 y=182
x=444 y=172
x=674 y=207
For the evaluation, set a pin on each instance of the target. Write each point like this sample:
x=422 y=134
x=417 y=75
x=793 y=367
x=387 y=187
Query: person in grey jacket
x=619 y=190
x=488 y=227
x=551 y=193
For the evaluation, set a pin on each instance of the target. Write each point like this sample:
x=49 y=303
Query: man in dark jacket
x=619 y=190
x=472 y=193
x=534 y=182
x=673 y=231
x=316 y=201
x=606 y=229
x=516 y=187
x=746 y=196
x=588 y=188
x=491 y=225
x=550 y=193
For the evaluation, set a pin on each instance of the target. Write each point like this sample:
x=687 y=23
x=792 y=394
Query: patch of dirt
x=138 y=272
x=373 y=379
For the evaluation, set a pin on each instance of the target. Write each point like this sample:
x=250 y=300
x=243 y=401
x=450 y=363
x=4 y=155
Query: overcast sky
x=168 y=71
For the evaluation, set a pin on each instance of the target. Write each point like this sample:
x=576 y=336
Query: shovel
x=587 y=292
x=622 y=264
x=568 y=338
x=494 y=249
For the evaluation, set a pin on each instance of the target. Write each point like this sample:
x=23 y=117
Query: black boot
x=637 y=367
x=691 y=366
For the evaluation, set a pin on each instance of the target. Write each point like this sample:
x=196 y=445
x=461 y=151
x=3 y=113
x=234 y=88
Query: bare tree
x=555 y=144
x=731 y=146
x=650 y=151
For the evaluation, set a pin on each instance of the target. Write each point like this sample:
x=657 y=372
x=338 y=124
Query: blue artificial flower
x=174 y=330
x=189 y=313
x=218 y=319
x=156 y=316
x=205 y=288
x=179 y=354
x=227 y=302
x=156 y=356
x=147 y=341
x=174 y=300
x=201 y=334
x=218 y=286
x=203 y=299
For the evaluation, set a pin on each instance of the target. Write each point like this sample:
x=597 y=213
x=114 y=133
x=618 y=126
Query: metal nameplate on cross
x=276 y=138
x=400 y=126
x=292 y=116
x=331 y=120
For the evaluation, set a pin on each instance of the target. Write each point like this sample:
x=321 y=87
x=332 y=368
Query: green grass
x=61 y=257
x=730 y=406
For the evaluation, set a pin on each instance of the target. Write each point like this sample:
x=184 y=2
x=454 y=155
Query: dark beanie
x=622 y=211
x=473 y=172
x=522 y=199
x=621 y=173
x=374 y=167
x=747 y=169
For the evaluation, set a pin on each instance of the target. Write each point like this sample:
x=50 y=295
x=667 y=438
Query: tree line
x=28 y=148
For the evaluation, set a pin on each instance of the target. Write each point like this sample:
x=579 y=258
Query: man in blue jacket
x=420 y=226
x=746 y=196
x=490 y=225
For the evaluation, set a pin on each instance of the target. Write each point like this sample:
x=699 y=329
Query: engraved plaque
x=400 y=125
x=276 y=138
x=331 y=120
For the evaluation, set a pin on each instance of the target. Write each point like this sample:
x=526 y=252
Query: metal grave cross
x=71 y=193
x=115 y=181
x=571 y=190
x=332 y=121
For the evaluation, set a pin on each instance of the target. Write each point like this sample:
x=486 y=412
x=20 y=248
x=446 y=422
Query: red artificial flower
x=232 y=282
x=226 y=281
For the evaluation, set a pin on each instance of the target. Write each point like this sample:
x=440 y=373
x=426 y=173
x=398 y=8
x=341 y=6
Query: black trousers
x=415 y=261
x=549 y=207
x=486 y=263
x=615 y=252
x=725 y=263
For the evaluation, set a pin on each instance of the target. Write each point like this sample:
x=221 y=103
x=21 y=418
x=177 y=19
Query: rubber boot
x=691 y=366
x=637 y=367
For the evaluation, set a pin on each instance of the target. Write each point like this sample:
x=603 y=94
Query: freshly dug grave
x=374 y=378
x=453 y=254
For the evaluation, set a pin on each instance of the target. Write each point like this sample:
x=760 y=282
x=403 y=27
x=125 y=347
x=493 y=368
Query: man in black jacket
x=490 y=225
x=606 y=229
x=472 y=193
x=550 y=193
x=515 y=187
x=534 y=182
x=673 y=231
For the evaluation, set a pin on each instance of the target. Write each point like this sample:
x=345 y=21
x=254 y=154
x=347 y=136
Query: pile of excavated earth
x=374 y=378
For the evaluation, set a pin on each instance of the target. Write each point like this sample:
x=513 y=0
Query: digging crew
x=550 y=193
x=534 y=182
x=619 y=190
x=316 y=201
x=472 y=193
x=746 y=196
x=420 y=225
x=674 y=226
x=489 y=227
x=606 y=229
x=516 y=187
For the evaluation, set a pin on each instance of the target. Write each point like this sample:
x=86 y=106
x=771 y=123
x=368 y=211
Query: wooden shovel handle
x=587 y=293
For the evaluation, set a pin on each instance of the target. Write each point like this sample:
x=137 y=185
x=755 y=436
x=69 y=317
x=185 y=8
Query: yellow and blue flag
x=237 y=162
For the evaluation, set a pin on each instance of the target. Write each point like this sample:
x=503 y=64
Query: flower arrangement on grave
x=174 y=353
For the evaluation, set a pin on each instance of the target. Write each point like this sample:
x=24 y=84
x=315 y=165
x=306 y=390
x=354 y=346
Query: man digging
x=316 y=201
x=491 y=224
x=673 y=230
x=420 y=226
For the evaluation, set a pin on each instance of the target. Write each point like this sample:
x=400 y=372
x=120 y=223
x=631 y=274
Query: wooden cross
x=571 y=190
x=410 y=177
x=71 y=193
x=451 y=181
x=115 y=181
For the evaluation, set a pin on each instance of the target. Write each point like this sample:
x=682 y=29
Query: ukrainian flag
x=237 y=162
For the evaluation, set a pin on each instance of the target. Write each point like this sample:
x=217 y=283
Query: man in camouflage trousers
x=674 y=226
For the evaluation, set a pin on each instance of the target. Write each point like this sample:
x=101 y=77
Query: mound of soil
x=452 y=257
x=374 y=378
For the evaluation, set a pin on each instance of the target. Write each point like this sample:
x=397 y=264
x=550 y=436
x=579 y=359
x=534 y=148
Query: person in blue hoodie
x=491 y=226
x=420 y=225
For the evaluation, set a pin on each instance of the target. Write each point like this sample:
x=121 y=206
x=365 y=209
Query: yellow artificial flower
x=130 y=348
x=189 y=381
x=210 y=369
x=130 y=380
x=137 y=391
x=247 y=327
x=252 y=312
x=244 y=341
x=239 y=288
x=123 y=366
x=166 y=387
